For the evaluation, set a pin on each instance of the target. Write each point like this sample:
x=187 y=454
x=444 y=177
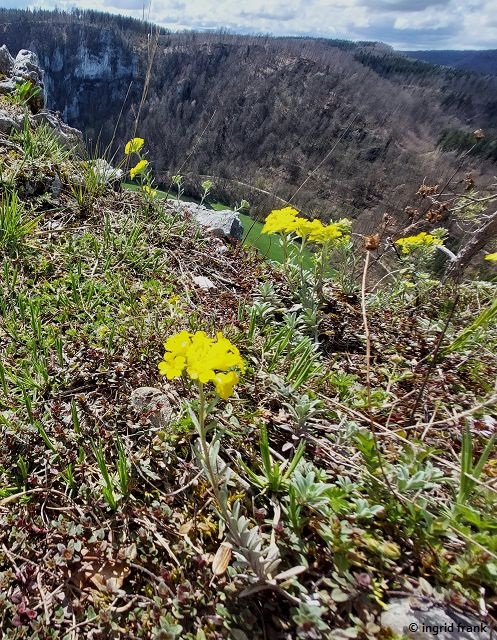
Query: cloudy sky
x=404 y=24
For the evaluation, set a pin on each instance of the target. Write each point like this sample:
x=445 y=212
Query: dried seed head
x=427 y=190
x=469 y=182
x=371 y=243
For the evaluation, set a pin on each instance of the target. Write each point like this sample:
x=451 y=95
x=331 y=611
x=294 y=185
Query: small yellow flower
x=178 y=343
x=225 y=383
x=204 y=359
x=280 y=220
x=138 y=169
x=133 y=146
x=311 y=229
x=172 y=366
x=149 y=191
x=102 y=331
x=423 y=239
x=491 y=256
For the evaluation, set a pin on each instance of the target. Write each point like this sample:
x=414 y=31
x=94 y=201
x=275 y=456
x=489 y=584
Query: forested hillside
x=361 y=125
x=481 y=61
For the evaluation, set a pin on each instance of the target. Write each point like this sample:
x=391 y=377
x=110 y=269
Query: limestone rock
x=6 y=61
x=203 y=282
x=67 y=136
x=411 y=618
x=7 y=123
x=7 y=86
x=221 y=224
x=56 y=187
x=153 y=404
x=24 y=67
x=13 y=118
x=106 y=173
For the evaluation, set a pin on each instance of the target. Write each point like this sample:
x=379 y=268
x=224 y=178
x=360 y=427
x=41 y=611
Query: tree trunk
x=480 y=238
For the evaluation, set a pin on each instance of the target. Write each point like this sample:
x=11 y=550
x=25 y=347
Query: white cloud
x=405 y=24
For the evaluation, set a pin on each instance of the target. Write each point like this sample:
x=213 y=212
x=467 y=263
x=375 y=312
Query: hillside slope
x=199 y=445
x=481 y=61
x=358 y=123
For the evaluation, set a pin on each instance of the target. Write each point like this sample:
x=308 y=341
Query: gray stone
x=7 y=86
x=26 y=66
x=221 y=224
x=66 y=135
x=6 y=61
x=153 y=404
x=56 y=187
x=203 y=282
x=412 y=618
x=7 y=123
x=105 y=172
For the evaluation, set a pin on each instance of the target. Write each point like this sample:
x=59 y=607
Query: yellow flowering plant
x=138 y=169
x=414 y=279
x=216 y=360
x=203 y=359
x=280 y=220
x=491 y=256
x=141 y=168
x=148 y=191
x=287 y=223
x=133 y=146
x=422 y=241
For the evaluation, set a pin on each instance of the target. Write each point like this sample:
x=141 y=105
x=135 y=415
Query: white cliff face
x=104 y=62
x=90 y=65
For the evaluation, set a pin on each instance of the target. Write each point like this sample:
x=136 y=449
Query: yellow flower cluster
x=286 y=220
x=138 y=169
x=423 y=239
x=149 y=191
x=204 y=359
x=491 y=256
x=133 y=146
x=280 y=220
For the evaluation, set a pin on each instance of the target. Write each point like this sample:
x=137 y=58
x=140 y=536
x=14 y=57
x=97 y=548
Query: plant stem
x=320 y=267
x=366 y=329
x=211 y=476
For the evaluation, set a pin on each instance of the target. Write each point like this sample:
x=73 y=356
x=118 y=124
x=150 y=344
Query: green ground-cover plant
x=16 y=224
x=40 y=144
x=23 y=94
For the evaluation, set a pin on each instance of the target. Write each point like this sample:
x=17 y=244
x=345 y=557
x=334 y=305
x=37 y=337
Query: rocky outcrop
x=8 y=123
x=66 y=135
x=6 y=61
x=220 y=224
x=24 y=67
x=13 y=73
